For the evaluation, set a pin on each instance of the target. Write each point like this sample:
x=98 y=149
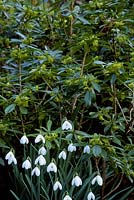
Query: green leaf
x=97 y=150
x=2 y=162
x=98 y=62
x=96 y=86
x=116 y=140
x=10 y=108
x=16 y=197
x=23 y=110
x=87 y=98
x=83 y=20
x=113 y=79
x=49 y=124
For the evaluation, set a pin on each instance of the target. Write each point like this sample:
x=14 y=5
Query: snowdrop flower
x=24 y=140
x=10 y=158
x=66 y=126
x=76 y=181
x=42 y=151
x=26 y=164
x=36 y=171
x=71 y=147
x=63 y=155
x=90 y=196
x=57 y=186
x=39 y=138
x=86 y=149
x=67 y=197
x=40 y=160
x=52 y=167
x=97 y=179
x=9 y=154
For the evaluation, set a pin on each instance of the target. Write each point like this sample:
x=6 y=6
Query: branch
x=114 y=188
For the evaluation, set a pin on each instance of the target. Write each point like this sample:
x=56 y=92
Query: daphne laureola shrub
x=67 y=98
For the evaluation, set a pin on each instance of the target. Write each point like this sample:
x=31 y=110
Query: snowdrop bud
x=24 y=140
x=57 y=186
x=52 y=167
x=97 y=179
x=26 y=164
x=39 y=138
x=67 y=197
x=42 y=151
x=86 y=149
x=63 y=155
x=71 y=147
x=76 y=181
x=67 y=125
x=40 y=160
x=36 y=171
x=90 y=196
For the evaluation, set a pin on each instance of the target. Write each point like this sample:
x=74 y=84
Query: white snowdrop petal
x=36 y=171
x=10 y=160
x=76 y=181
x=63 y=155
x=67 y=197
x=40 y=160
x=14 y=161
x=90 y=196
x=52 y=167
x=93 y=181
x=99 y=180
x=42 y=151
x=26 y=164
x=32 y=173
x=24 y=140
x=9 y=154
x=67 y=125
x=86 y=149
x=57 y=185
x=71 y=148
x=39 y=138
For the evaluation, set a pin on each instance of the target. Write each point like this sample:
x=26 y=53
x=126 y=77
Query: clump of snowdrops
x=55 y=165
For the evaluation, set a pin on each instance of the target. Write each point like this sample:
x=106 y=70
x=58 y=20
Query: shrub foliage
x=70 y=60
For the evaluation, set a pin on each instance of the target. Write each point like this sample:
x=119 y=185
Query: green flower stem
x=39 y=188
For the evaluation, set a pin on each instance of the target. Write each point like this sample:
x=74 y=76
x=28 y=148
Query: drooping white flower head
x=63 y=155
x=24 y=140
x=97 y=179
x=86 y=149
x=26 y=164
x=9 y=155
x=90 y=196
x=57 y=186
x=76 y=181
x=67 y=197
x=36 y=171
x=42 y=151
x=66 y=126
x=52 y=167
x=39 y=138
x=71 y=147
x=40 y=160
x=11 y=158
